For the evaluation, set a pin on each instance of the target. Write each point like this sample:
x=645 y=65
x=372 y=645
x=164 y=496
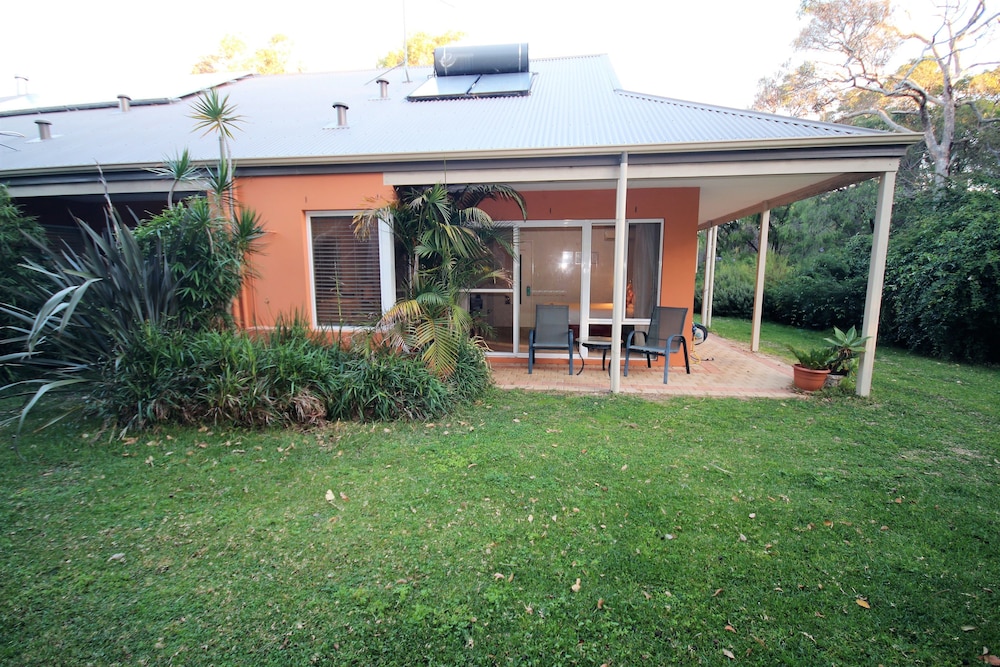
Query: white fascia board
x=607 y=175
x=123 y=187
x=503 y=175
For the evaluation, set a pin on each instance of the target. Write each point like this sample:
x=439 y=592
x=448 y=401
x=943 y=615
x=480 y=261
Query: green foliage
x=419 y=48
x=272 y=58
x=846 y=346
x=472 y=372
x=289 y=377
x=15 y=278
x=816 y=358
x=827 y=289
x=446 y=242
x=943 y=275
x=206 y=256
x=734 y=287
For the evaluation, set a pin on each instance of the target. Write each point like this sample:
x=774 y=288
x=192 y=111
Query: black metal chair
x=551 y=332
x=665 y=336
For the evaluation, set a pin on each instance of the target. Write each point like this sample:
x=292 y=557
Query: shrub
x=383 y=386
x=472 y=372
x=827 y=291
x=204 y=257
x=943 y=276
x=15 y=278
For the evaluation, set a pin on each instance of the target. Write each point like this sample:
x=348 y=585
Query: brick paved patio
x=718 y=368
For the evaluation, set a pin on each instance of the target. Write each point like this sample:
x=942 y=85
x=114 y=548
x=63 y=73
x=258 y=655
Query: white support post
x=618 y=296
x=708 y=292
x=758 y=293
x=876 y=280
x=387 y=265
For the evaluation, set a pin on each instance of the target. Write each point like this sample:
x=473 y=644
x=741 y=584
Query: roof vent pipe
x=18 y=81
x=44 y=129
x=124 y=103
x=341 y=113
x=383 y=88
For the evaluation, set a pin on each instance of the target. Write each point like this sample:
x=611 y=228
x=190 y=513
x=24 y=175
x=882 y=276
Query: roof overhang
x=735 y=178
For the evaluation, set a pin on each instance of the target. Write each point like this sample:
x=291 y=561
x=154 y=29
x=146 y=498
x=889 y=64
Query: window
x=346 y=283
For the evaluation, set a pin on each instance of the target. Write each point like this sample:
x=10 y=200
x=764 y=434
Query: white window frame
x=387 y=270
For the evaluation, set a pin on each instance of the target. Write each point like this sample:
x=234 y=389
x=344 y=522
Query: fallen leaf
x=600 y=603
x=969 y=628
x=717 y=592
x=343 y=496
x=119 y=557
x=730 y=628
x=863 y=603
x=576 y=587
x=990 y=659
x=329 y=495
x=647 y=595
x=743 y=538
x=729 y=654
x=497 y=575
x=827 y=523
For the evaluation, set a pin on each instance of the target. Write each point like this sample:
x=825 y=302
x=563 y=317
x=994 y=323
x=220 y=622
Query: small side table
x=598 y=343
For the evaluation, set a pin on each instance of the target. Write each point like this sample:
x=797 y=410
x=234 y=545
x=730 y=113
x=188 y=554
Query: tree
x=862 y=37
x=446 y=241
x=419 y=48
x=271 y=58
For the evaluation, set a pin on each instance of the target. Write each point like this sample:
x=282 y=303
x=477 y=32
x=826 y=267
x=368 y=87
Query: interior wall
x=282 y=284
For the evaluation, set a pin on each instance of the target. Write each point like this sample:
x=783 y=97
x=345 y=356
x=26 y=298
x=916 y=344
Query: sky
x=712 y=51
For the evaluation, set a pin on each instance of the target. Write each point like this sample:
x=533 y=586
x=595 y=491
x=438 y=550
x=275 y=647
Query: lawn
x=526 y=529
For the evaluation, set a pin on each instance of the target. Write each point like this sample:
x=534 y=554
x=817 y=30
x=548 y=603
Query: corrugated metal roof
x=574 y=104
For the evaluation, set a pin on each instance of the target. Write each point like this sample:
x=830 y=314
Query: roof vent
x=44 y=129
x=494 y=59
x=383 y=86
x=341 y=113
x=124 y=103
x=19 y=81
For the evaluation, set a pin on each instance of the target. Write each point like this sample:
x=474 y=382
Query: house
x=618 y=184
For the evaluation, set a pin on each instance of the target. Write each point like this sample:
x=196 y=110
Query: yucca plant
x=83 y=309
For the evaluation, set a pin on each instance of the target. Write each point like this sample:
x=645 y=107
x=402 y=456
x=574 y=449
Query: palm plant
x=445 y=239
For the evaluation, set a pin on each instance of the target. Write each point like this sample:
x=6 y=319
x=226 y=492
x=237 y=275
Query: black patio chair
x=551 y=332
x=665 y=335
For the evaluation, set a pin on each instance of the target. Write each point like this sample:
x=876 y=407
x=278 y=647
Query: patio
x=718 y=368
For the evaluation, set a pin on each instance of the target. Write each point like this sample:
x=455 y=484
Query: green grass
x=695 y=527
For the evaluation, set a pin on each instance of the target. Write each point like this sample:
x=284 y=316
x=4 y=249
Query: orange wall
x=282 y=285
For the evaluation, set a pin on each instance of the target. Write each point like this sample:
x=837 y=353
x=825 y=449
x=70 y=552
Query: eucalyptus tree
x=856 y=73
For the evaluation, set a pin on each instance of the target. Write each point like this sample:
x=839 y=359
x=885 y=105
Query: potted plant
x=846 y=347
x=813 y=367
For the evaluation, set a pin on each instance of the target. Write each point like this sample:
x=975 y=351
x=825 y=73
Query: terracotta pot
x=808 y=379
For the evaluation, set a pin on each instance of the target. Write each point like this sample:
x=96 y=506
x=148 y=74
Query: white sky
x=711 y=51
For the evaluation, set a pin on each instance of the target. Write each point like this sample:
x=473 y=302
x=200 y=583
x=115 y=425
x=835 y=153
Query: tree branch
x=881 y=114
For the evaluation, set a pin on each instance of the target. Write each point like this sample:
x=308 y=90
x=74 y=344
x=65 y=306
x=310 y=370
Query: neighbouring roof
x=575 y=106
